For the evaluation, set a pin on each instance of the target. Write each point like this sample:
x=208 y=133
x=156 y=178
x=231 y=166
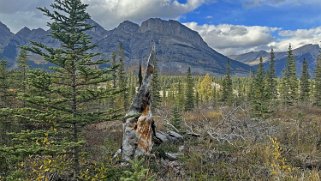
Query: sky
x=229 y=26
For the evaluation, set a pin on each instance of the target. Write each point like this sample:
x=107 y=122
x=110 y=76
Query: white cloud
x=110 y=13
x=237 y=39
x=19 y=13
x=297 y=38
x=234 y=39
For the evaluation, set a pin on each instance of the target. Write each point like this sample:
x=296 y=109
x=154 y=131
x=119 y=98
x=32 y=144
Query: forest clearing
x=70 y=112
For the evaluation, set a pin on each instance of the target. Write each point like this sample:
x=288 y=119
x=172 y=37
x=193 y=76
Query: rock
x=178 y=47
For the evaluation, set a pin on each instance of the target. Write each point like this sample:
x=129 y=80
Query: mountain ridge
x=309 y=52
x=178 y=47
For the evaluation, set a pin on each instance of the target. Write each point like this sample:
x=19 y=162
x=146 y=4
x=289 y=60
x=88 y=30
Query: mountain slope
x=309 y=52
x=178 y=47
x=5 y=36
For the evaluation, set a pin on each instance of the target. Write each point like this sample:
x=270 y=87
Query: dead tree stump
x=138 y=126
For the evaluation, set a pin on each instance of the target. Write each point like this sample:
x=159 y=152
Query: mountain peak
x=170 y=28
x=128 y=26
x=4 y=27
x=23 y=32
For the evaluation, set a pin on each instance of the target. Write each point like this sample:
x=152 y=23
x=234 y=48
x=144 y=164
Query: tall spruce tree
x=317 y=82
x=259 y=95
x=4 y=85
x=189 y=94
x=227 y=93
x=21 y=73
x=63 y=104
x=291 y=79
x=122 y=78
x=304 y=82
x=180 y=95
x=156 y=88
x=271 y=81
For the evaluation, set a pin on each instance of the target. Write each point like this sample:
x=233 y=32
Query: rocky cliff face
x=178 y=47
x=5 y=35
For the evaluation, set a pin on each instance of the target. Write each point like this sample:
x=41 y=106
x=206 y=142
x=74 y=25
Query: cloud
x=109 y=13
x=16 y=14
x=238 y=39
x=234 y=39
x=297 y=38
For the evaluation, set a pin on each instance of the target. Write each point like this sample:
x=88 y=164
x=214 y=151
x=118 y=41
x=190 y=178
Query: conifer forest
x=91 y=117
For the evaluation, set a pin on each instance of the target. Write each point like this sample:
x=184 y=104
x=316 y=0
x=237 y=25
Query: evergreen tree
x=177 y=118
x=156 y=98
x=62 y=102
x=122 y=78
x=259 y=95
x=22 y=73
x=140 y=75
x=180 y=95
x=4 y=85
x=114 y=73
x=227 y=94
x=291 y=79
x=272 y=84
x=304 y=82
x=189 y=94
x=317 y=82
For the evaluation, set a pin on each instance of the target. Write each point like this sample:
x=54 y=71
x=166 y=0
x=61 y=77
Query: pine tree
x=4 y=85
x=122 y=78
x=317 y=89
x=291 y=79
x=227 y=94
x=259 y=101
x=272 y=84
x=177 y=118
x=180 y=94
x=304 y=82
x=64 y=98
x=4 y=102
x=189 y=94
x=156 y=98
x=22 y=73
x=140 y=75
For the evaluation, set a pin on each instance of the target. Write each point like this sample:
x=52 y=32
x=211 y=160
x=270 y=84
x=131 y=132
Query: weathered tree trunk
x=138 y=126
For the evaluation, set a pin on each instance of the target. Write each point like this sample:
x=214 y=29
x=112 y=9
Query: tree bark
x=138 y=126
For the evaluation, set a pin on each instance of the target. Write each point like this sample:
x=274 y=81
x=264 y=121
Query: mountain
x=177 y=46
x=5 y=35
x=309 y=52
x=250 y=58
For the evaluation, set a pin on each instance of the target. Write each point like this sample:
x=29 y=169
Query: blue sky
x=289 y=16
x=228 y=26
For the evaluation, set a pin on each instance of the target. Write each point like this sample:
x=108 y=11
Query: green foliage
x=189 y=94
x=176 y=118
x=304 y=83
x=271 y=78
x=291 y=82
x=259 y=97
x=122 y=78
x=317 y=91
x=61 y=102
x=137 y=172
x=227 y=94
x=155 y=87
